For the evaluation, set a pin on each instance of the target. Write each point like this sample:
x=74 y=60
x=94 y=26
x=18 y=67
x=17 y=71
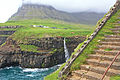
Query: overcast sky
x=9 y=7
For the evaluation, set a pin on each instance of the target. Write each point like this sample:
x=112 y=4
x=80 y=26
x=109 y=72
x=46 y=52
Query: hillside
x=36 y=11
x=91 y=58
x=56 y=28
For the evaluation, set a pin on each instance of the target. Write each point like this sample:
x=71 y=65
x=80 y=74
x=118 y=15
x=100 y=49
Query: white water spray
x=66 y=51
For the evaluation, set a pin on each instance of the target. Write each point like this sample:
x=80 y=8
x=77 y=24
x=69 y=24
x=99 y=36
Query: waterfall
x=66 y=51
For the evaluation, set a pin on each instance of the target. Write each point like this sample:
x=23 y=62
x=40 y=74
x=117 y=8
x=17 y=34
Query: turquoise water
x=17 y=73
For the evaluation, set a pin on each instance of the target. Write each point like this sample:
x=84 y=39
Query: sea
x=18 y=73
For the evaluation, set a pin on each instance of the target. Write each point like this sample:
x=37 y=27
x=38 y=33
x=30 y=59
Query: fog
x=77 y=5
x=9 y=7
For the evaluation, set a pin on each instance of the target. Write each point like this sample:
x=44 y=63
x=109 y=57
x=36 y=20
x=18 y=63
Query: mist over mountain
x=39 y=11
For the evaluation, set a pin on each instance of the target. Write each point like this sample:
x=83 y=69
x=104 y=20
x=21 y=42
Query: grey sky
x=9 y=7
x=77 y=5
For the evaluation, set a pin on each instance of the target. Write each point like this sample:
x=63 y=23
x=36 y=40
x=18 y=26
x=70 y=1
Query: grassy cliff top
x=56 y=28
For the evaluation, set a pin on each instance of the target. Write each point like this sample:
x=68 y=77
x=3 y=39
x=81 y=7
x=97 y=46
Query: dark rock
x=52 y=52
x=6 y=32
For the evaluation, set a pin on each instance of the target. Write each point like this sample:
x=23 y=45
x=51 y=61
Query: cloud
x=9 y=7
x=77 y=5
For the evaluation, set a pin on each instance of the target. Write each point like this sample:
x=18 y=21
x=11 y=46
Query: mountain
x=37 y=11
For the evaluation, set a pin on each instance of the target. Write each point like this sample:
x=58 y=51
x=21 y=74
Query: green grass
x=29 y=48
x=4 y=35
x=115 y=78
x=24 y=33
x=54 y=75
x=47 y=22
x=108 y=49
x=7 y=29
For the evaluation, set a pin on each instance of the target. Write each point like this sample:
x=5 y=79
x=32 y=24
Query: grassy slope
x=90 y=48
x=27 y=31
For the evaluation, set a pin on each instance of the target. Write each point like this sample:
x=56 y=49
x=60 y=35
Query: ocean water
x=18 y=73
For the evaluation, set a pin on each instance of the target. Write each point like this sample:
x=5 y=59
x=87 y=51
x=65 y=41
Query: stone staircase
x=97 y=63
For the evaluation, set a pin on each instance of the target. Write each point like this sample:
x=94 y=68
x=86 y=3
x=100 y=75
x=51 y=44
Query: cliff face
x=4 y=34
x=31 y=59
x=2 y=39
x=73 y=42
x=51 y=52
x=35 y=11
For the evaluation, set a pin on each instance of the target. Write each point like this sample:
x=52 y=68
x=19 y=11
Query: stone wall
x=2 y=39
x=13 y=27
x=6 y=32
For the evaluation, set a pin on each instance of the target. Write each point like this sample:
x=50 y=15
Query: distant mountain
x=36 y=11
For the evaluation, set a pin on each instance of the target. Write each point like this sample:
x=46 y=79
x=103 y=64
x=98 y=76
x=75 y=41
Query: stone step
x=105 y=64
x=79 y=73
x=112 y=36
x=94 y=76
x=100 y=70
x=115 y=29
x=104 y=57
x=117 y=26
x=116 y=32
x=84 y=79
x=109 y=47
x=73 y=77
x=88 y=75
x=106 y=52
x=112 y=39
x=110 y=43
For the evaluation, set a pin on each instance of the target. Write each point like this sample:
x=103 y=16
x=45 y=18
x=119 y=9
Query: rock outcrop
x=51 y=52
x=2 y=39
x=4 y=33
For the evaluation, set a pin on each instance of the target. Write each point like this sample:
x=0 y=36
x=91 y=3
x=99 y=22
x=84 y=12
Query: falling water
x=66 y=51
